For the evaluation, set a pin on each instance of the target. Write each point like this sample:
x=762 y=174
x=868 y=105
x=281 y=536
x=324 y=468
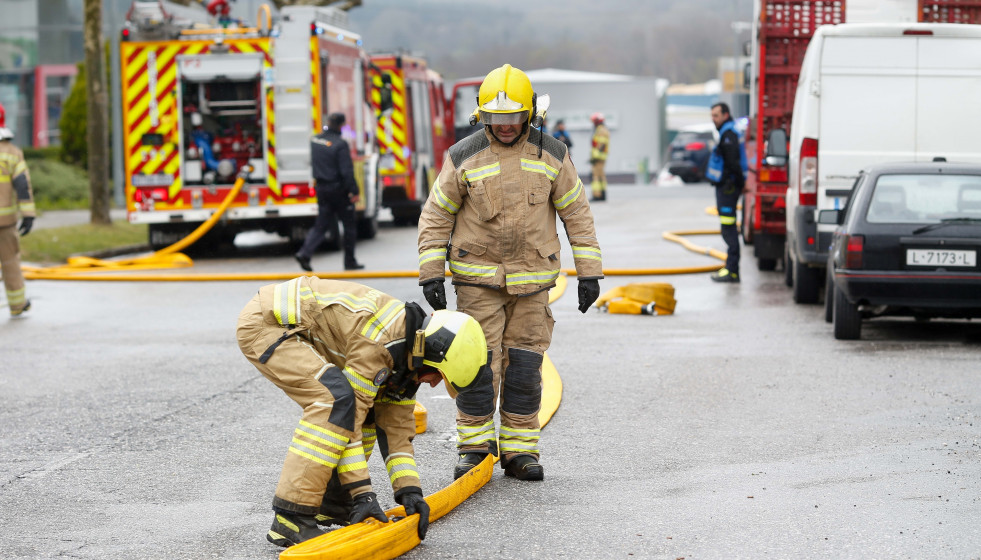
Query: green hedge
x=56 y=184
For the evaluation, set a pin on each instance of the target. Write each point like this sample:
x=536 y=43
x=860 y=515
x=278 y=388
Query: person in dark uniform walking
x=337 y=192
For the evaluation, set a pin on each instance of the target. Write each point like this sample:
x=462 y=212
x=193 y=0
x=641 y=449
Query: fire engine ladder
x=292 y=89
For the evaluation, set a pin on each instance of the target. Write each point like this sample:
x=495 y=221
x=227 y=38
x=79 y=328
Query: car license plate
x=940 y=257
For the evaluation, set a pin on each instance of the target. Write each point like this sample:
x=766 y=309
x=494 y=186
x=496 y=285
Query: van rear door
x=948 y=93
x=868 y=109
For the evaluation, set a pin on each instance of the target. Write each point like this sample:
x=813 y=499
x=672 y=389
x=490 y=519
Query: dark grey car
x=907 y=244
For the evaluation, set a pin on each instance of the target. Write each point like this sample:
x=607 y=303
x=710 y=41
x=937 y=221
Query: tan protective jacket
x=361 y=331
x=491 y=213
x=15 y=185
x=601 y=143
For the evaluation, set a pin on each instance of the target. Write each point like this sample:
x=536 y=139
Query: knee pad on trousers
x=479 y=399
x=342 y=413
x=522 y=391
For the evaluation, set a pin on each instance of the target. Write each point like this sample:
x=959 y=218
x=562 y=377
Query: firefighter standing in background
x=597 y=157
x=337 y=192
x=727 y=171
x=353 y=358
x=15 y=197
x=491 y=214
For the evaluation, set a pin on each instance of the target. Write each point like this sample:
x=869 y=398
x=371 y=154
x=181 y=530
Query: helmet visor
x=503 y=118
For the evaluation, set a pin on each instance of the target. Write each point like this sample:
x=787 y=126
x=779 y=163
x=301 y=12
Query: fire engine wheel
x=788 y=271
x=368 y=227
x=748 y=225
x=766 y=264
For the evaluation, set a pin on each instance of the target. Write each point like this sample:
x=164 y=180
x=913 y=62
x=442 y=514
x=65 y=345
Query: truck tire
x=847 y=319
x=766 y=264
x=788 y=271
x=806 y=283
x=747 y=223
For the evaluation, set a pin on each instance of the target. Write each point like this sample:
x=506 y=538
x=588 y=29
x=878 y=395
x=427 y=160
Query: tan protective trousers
x=318 y=445
x=13 y=277
x=598 y=184
x=510 y=323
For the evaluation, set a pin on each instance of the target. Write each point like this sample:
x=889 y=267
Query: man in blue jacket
x=727 y=172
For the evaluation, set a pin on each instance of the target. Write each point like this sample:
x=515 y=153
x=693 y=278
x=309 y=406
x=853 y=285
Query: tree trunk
x=97 y=131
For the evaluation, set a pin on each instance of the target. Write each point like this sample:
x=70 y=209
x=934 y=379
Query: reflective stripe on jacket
x=492 y=215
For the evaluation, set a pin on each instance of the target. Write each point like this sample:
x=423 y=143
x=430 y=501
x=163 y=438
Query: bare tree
x=97 y=131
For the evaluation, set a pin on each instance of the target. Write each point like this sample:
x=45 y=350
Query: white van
x=869 y=93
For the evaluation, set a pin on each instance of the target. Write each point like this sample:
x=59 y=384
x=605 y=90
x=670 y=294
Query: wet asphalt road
x=131 y=426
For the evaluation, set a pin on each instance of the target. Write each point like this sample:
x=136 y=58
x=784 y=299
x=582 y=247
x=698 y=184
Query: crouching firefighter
x=353 y=359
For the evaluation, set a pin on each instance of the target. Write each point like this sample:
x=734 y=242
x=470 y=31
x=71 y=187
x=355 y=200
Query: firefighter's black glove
x=435 y=294
x=588 y=292
x=365 y=506
x=26 y=223
x=415 y=503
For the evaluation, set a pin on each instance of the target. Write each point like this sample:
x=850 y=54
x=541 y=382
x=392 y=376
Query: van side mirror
x=832 y=217
x=775 y=150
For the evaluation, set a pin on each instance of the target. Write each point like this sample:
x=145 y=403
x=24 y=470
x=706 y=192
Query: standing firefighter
x=491 y=214
x=727 y=171
x=353 y=358
x=597 y=157
x=15 y=197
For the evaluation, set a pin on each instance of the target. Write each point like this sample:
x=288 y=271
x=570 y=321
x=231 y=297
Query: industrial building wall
x=634 y=114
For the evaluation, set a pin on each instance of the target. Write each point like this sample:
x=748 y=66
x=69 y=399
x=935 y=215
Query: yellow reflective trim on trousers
x=472 y=269
x=587 y=253
x=569 y=197
x=326 y=437
x=360 y=383
x=318 y=454
x=473 y=435
x=727 y=220
x=7 y=210
x=483 y=172
x=444 y=201
x=313 y=458
x=539 y=167
x=518 y=278
x=432 y=255
x=521 y=432
x=352 y=459
x=16 y=297
x=286 y=303
x=381 y=320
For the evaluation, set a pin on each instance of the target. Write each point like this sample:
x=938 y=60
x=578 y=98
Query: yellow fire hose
x=373 y=540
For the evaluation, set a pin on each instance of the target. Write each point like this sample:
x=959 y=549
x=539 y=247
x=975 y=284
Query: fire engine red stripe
x=136 y=77
x=132 y=56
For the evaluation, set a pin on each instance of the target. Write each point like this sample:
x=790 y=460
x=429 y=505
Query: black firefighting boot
x=524 y=467
x=467 y=461
x=337 y=504
x=289 y=529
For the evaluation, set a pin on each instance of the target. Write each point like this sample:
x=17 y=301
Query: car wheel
x=847 y=320
x=829 y=296
x=806 y=283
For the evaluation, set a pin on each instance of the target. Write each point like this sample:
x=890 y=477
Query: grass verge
x=55 y=245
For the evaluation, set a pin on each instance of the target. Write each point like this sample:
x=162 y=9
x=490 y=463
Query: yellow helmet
x=455 y=345
x=506 y=97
